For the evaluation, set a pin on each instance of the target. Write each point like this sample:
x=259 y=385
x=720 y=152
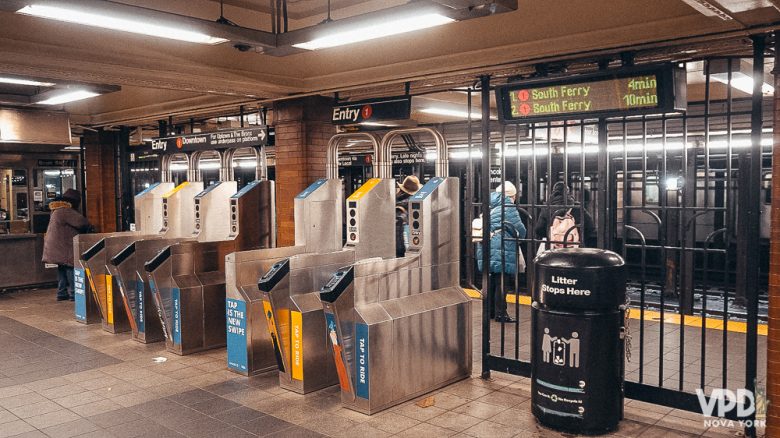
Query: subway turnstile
x=317 y=225
x=291 y=288
x=188 y=278
x=400 y=328
x=86 y=308
x=254 y=343
x=127 y=265
x=102 y=283
x=92 y=273
x=127 y=268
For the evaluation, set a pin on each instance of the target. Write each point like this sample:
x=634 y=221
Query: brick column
x=303 y=129
x=100 y=158
x=773 y=339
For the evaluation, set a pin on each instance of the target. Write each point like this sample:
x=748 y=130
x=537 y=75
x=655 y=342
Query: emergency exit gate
x=683 y=197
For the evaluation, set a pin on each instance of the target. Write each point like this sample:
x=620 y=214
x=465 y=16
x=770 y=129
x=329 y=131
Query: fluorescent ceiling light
x=138 y=26
x=70 y=96
x=451 y=113
x=742 y=82
x=15 y=81
x=381 y=29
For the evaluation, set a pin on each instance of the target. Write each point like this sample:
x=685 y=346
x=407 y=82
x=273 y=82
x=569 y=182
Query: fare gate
x=683 y=197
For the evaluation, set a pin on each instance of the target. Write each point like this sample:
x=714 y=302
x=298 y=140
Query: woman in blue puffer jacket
x=503 y=258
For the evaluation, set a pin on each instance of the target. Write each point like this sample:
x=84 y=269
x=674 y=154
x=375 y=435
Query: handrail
x=442 y=159
x=226 y=165
x=193 y=166
x=332 y=157
x=165 y=168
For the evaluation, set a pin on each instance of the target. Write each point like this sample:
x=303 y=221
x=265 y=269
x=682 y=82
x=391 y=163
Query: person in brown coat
x=65 y=223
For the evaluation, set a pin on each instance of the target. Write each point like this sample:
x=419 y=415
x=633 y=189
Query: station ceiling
x=160 y=77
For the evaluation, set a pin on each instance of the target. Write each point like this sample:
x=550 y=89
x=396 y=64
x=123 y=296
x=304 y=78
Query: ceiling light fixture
x=379 y=29
x=70 y=96
x=15 y=81
x=138 y=26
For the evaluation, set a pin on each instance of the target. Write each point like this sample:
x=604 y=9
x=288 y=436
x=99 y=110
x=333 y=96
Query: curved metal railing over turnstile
x=398 y=316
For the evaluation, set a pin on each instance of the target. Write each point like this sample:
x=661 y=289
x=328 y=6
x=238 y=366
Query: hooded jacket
x=64 y=224
x=511 y=228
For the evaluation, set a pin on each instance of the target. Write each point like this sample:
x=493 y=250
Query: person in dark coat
x=503 y=258
x=560 y=196
x=64 y=224
x=406 y=190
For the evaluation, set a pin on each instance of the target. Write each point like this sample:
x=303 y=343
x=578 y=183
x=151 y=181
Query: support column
x=303 y=129
x=773 y=338
x=100 y=155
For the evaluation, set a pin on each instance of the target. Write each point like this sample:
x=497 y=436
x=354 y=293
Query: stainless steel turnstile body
x=104 y=289
x=127 y=264
x=127 y=268
x=104 y=286
x=400 y=328
x=317 y=226
x=86 y=309
x=291 y=339
x=291 y=288
x=188 y=278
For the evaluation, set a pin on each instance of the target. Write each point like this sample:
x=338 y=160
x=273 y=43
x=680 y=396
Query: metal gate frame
x=747 y=278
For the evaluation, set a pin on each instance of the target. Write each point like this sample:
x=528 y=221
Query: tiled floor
x=59 y=378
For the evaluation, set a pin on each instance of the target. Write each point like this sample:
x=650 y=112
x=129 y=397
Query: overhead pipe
x=193 y=166
x=165 y=168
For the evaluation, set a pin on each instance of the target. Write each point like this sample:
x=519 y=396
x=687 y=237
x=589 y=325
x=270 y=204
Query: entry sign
x=233 y=138
x=641 y=90
x=394 y=108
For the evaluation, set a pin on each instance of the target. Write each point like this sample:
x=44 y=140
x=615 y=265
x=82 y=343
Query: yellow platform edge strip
x=654 y=315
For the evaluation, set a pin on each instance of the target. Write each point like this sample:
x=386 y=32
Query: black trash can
x=578 y=351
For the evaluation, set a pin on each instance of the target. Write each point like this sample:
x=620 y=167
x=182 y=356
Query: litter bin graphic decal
x=560 y=350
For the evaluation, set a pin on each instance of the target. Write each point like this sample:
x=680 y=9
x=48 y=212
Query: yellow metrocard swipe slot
x=176 y=189
x=365 y=188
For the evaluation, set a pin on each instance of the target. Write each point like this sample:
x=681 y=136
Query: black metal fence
x=684 y=197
